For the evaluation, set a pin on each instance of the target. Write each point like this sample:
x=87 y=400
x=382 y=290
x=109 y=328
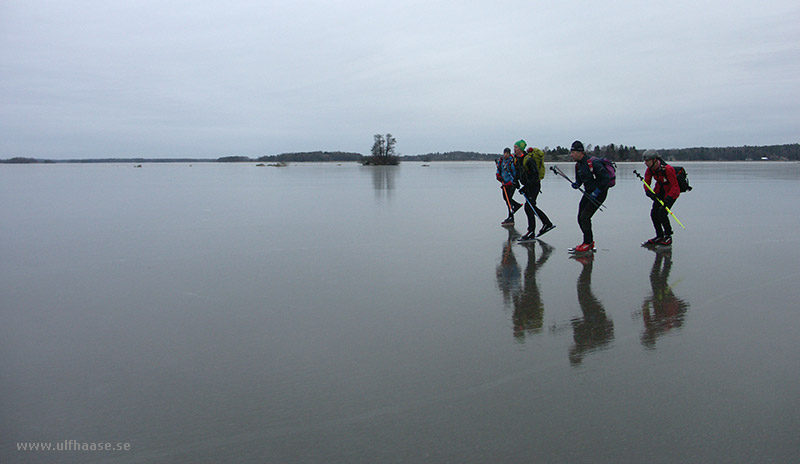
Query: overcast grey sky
x=194 y=78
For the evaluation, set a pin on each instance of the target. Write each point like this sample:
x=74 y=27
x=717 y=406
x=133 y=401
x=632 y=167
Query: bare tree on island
x=383 y=152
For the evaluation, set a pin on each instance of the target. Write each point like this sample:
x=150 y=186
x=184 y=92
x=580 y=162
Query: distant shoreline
x=789 y=152
x=140 y=162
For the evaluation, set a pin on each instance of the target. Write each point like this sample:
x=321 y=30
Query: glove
x=523 y=190
x=508 y=184
x=575 y=185
x=596 y=194
x=651 y=195
x=499 y=177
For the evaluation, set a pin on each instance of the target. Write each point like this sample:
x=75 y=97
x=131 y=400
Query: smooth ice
x=338 y=313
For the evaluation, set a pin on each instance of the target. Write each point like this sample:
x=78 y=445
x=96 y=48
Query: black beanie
x=577 y=146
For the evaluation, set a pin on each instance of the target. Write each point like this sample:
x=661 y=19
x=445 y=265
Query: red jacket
x=666 y=181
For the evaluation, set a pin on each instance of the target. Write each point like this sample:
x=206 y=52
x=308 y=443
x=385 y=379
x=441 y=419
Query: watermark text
x=73 y=445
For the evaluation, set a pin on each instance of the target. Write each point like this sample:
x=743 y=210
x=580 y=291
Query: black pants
x=531 y=192
x=508 y=193
x=586 y=210
x=660 y=217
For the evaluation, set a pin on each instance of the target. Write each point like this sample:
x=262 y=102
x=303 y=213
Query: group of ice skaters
x=524 y=169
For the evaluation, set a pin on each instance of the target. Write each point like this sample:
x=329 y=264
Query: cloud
x=179 y=78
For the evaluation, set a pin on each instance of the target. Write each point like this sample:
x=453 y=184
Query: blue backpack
x=610 y=166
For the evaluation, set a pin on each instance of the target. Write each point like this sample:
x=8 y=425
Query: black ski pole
x=558 y=171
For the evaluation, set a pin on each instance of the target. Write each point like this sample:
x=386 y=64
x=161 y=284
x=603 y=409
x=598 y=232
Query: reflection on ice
x=594 y=330
x=522 y=295
x=528 y=313
x=508 y=272
x=662 y=311
x=383 y=178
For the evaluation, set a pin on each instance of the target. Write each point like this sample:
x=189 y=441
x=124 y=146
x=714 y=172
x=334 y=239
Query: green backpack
x=534 y=162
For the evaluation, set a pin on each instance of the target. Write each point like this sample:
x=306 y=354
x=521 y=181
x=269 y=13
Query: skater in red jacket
x=667 y=189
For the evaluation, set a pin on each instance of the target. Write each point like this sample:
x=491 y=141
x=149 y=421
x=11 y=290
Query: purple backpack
x=610 y=166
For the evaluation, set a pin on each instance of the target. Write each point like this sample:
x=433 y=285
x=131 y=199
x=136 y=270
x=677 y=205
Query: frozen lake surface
x=340 y=314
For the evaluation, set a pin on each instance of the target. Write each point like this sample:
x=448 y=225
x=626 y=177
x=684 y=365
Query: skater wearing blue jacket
x=507 y=176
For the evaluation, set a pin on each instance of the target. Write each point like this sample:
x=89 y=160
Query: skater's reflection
x=662 y=311
x=522 y=294
x=508 y=273
x=528 y=313
x=593 y=331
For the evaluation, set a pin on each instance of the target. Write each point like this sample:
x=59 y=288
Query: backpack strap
x=531 y=164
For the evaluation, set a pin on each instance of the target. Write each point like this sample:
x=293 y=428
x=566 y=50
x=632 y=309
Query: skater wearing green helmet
x=530 y=170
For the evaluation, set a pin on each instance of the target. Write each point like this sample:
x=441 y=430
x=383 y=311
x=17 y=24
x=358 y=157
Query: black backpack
x=683 y=180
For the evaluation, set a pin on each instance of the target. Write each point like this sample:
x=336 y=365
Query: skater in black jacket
x=595 y=179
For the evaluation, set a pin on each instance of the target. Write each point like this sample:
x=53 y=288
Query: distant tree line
x=299 y=157
x=453 y=156
x=314 y=156
x=615 y=152
x=20 y=160
x=773 y=152
x=610 y=151
x=790 y=152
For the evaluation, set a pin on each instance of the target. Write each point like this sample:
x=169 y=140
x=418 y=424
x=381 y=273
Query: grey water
x=339 y=313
